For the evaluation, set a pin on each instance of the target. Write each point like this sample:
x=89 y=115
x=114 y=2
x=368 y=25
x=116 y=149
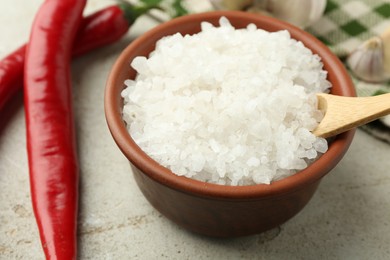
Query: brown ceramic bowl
x=210 y=209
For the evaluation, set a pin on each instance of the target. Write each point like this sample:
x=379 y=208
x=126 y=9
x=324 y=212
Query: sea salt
x=227 y=106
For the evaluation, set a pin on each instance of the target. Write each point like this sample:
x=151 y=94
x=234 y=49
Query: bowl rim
x=164 y=176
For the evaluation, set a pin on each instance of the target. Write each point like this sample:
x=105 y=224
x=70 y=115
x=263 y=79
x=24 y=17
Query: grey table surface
x=348 y=217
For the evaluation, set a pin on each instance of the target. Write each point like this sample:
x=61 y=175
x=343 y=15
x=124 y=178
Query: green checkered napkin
x=343 y=27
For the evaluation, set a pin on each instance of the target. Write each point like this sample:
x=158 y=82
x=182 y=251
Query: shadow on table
x=10 y=109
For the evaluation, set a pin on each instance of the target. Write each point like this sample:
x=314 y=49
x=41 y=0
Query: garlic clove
x=367 y=62
x=231 y=4
x=302 y=13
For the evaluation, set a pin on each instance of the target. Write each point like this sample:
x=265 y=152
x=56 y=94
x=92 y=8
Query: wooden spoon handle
x=345 y=113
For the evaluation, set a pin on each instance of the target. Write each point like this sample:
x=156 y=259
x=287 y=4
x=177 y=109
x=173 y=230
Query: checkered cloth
x=346 y=23
x=344 y=26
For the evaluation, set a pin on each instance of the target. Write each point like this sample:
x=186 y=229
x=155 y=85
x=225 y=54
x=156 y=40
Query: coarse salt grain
x=227 y=106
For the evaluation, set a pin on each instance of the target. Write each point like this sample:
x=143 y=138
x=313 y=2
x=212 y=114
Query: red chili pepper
x=51 y=142
x=96 y=30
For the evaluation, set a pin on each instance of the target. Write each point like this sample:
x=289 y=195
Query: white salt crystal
x=264 y=159
x=311 y=153
x=205 y=26
x=140 y=64
x=253 y=162
x=227 y=106
x=251 y=27
x=224 y=22
x=198 y=162
x=321 y=145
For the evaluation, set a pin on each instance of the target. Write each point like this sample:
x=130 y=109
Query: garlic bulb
x=231 y=4
x=367 y=61
x=371 y=60
x=302 y=13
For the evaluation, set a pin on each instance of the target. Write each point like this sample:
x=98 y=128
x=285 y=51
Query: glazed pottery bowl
x=211 y=209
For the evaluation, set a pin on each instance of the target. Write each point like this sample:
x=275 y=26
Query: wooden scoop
x=345 y=113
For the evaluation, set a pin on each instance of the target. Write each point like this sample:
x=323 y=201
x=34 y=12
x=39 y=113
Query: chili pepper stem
x=132 y=12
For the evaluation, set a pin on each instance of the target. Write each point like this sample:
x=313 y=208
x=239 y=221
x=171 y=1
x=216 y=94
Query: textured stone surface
x=348 y=218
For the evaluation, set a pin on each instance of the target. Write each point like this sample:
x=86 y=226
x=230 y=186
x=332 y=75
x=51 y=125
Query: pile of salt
x=227 y=106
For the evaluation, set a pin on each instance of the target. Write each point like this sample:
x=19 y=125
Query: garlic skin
x=301 y=13
x=368 y=61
